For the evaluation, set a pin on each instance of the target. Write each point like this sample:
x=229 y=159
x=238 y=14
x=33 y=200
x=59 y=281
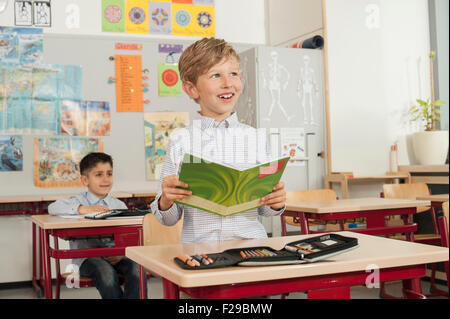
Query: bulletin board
x=126 y=140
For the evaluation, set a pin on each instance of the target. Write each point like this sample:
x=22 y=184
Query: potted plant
x=431 y=145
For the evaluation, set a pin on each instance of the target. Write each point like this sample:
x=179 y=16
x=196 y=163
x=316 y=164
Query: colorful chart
x=183 y=18
x=113 y=14
x=169 y=77
x=137 y=15
x=160 y=16
x=204 y=19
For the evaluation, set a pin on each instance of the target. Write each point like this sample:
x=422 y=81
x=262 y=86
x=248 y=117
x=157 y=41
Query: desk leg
x=412 y=289
x=408 y=220
x=331 y=293
x=36 y=286
x=283 y=225
x=303 y=223
x=171 y=290
x=46 y=263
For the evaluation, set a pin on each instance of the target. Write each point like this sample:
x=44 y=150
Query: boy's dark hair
x=92 y=159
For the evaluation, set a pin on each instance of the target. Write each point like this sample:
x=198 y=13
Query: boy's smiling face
x=99 y=179
x=217 y=90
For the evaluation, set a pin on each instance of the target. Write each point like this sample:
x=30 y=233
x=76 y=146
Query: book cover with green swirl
x=225 y=191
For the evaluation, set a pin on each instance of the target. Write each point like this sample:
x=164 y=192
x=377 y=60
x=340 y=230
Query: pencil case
x=302 y=251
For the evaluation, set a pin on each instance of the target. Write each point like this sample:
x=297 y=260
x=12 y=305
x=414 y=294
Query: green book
x=223 y=190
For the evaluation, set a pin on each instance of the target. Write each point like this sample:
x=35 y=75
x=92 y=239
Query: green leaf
x=438 y=103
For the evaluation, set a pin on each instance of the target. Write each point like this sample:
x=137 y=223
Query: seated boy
x=209 y=69
x=96 y=171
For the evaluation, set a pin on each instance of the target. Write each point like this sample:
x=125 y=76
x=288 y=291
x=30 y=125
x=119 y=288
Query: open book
x=118 y=213
x=223 y=190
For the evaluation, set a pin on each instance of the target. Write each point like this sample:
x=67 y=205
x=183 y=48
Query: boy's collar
x=94 y=199
x=208 y=122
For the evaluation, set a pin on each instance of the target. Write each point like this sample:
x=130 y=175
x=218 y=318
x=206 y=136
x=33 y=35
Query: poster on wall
x=168 y=17
x=113 y=16
x=21 y=45
x=23 y=13
x=157 y=129
x=137 y=17
x=129 y=89
x=169 y=83
x=293 y=145
x=85 y=118
x=11 y=153
x=56 y=159
x=42 y=13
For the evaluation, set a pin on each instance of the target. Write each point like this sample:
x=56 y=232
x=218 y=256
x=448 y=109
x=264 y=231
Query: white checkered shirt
x=229 y=142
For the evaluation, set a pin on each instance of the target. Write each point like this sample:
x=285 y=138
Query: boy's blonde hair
x=201 y=56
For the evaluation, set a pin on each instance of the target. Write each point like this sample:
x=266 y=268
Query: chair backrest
x=156 y=233
x=407 y=191
x=314 y=195
x=445 y=210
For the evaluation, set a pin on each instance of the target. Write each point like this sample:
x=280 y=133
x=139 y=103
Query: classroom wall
x=233 y=23
x=237 y=21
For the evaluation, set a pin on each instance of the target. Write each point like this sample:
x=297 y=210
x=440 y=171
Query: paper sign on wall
x=129 y=92
x=113 y=18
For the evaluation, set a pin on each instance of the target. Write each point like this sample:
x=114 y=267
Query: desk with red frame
x=125 y=231
x=331 y=278
x=374 y=210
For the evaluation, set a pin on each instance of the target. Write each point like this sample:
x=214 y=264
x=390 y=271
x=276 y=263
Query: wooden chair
x=409 y=191
x=156 y=233
x=443 y=228
x=316 y=195
x=412 y=191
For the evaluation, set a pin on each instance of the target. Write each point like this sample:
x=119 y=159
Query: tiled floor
x=156 y=292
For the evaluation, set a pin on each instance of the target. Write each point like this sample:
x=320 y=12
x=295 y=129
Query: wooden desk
x=373 y=209
x=126 y=232
x=344 y=180
x=436 y=200
x=30 y=204
x=396 y=260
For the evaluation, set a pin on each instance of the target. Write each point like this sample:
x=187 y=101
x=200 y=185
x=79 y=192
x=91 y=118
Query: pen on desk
x=201 y=259
x=207 y=258
x=187 y=260
x=242 y=254
x=295 y=250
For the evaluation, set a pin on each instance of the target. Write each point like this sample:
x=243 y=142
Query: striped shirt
x=228 y=142
x=70 y=207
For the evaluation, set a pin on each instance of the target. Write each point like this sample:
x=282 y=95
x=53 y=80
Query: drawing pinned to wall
x=308 y=92
x=170 y=48
x=293 y=145
x=157 y=129
x=113 y=16
x=161 y=17
x=137 y=19
x=169 y=80
x=86 y=118
x=98 y=118
x=276 y=79
x=23 y=13
x=11 y=153
x=56 y=160
x=21 y=45
x=42 y=13
x=246 y=109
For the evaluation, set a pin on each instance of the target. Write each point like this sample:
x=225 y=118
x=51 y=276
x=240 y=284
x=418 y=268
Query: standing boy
x=96 y=171
x=209 y=69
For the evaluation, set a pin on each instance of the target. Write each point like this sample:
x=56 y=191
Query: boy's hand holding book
x=170 y=192
x=277 y=199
